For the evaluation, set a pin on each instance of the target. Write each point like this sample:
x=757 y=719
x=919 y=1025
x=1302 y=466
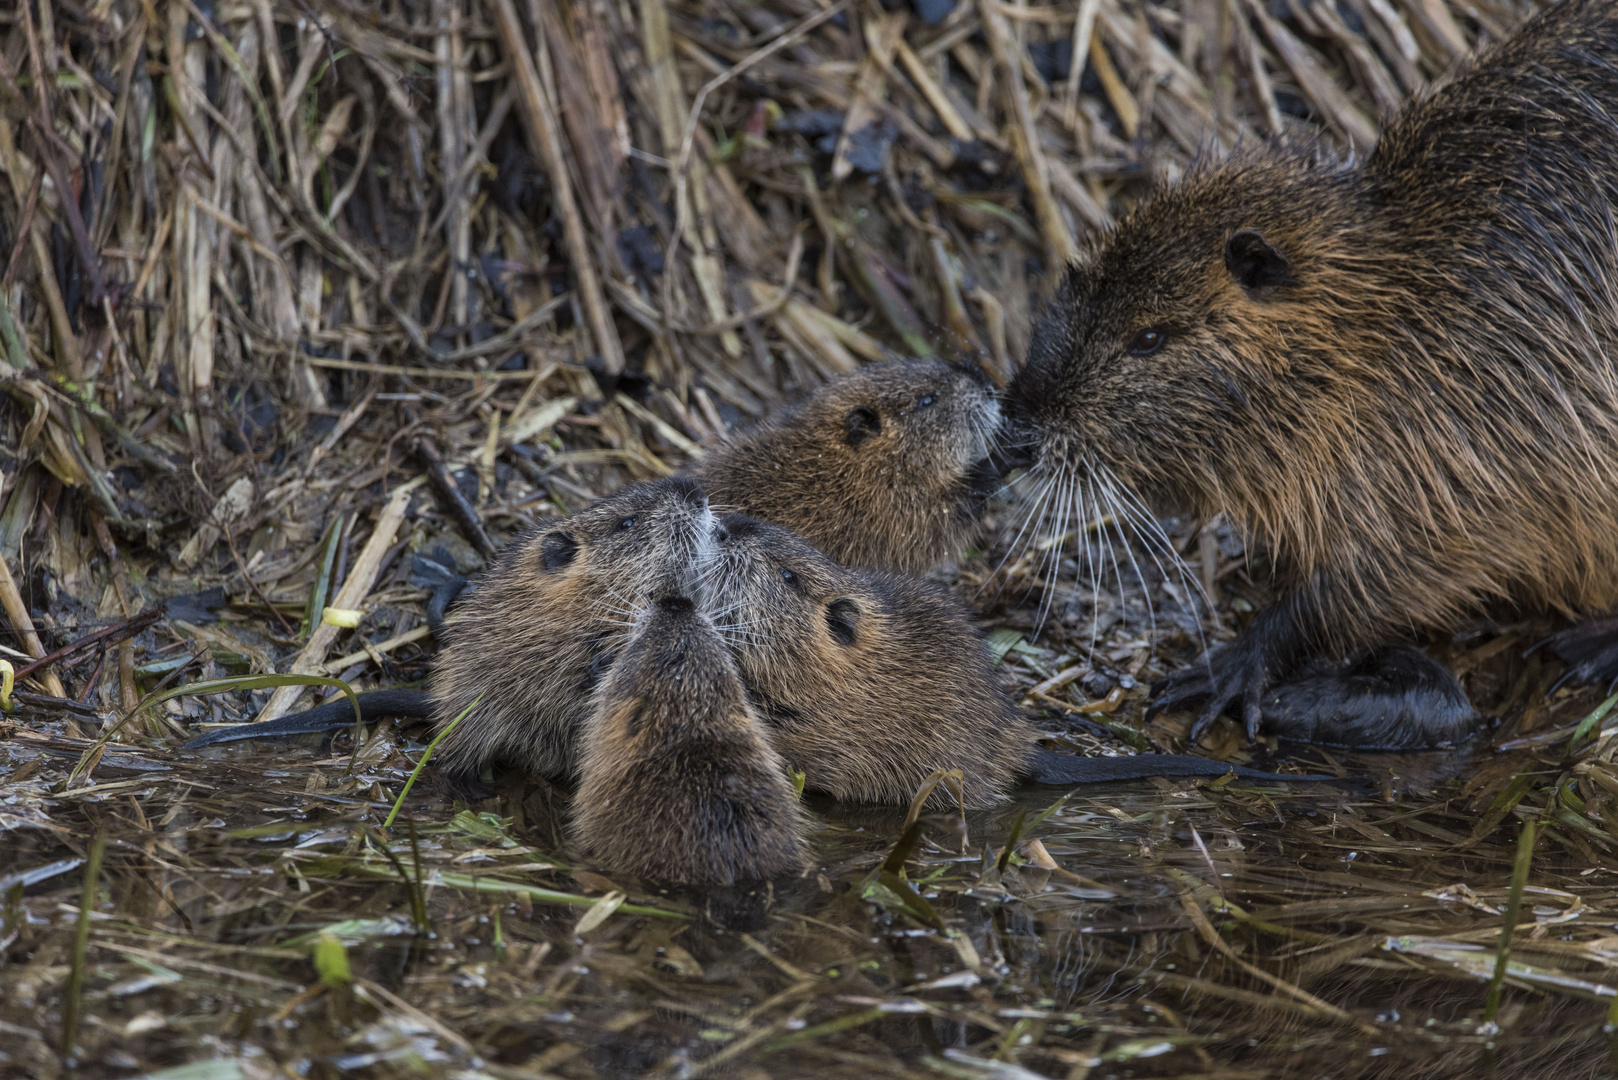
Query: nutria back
x=1397 y=372
x=887 y=467
x=678 y=781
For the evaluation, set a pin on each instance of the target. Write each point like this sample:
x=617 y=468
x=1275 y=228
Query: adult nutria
x=886 y=468
x=1397 y=373
x=871 y=680
x=548 y=620
x=677 y=779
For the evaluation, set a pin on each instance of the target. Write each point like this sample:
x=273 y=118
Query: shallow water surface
x=250 y=911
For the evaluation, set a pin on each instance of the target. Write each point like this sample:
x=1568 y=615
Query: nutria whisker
x=1150 y=536
x=1092 y=512
x=1051 y=564
x=1034 y=507
x=1119 y=515
x=1102 y=515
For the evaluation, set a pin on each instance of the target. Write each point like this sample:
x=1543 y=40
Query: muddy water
x=252 y=918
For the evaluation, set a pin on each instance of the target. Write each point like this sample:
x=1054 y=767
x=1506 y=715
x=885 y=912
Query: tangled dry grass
x=294 y=289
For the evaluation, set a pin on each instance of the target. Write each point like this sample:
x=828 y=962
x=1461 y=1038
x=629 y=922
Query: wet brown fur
x=1420 y=418
x=544 y=624
x=678 y=782
x=883 y=468
x=870 y=680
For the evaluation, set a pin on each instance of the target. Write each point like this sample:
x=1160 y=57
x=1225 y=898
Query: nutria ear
x=1258 y=266
x=558 y=549
x=842 y=617
x=859 y=424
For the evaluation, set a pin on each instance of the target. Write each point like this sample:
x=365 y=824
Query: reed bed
x=294 y=292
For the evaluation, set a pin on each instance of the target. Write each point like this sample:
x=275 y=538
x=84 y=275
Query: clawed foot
x=1391 y=698
x=1591 y=652
x=1233 y=674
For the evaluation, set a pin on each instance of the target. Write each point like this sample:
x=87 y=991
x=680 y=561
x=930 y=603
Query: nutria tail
x=332 y=716
x=1059 y=770
x=678 y=780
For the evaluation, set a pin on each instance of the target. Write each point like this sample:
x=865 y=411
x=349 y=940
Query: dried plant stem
x=1059 y=243
x=543 y=131
x=312 y=659
x=22 y=624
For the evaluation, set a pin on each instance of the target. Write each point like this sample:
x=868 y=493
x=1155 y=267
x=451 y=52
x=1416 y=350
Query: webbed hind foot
x=1591 y=652
x=1392 y=698
x=1234 y=675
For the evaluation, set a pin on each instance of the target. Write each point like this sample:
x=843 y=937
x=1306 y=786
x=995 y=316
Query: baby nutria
x=1398 y=374
x=886 y=468
x=678 y=782
x=548 y=619
x=537 y=636
x=870 y=680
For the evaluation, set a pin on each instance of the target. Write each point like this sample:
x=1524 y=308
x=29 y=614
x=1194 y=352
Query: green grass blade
x=1598 y=714
x=73 y=993
x=1519 y=880
x=425 y=757
x=322 y=587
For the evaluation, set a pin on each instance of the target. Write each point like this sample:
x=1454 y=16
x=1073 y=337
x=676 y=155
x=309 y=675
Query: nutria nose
x=1009 y=455
x=1016 y=444
x=675 y=605
x=736 y=527
x=688 y=490
x=979 y=378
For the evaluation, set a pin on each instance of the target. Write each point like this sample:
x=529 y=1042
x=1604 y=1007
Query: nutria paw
x=1391 y=698
x=1591 y=652
x=1233 y=673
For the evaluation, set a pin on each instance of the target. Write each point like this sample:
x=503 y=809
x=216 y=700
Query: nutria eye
x=926 y=402
x=1147 y=342
x=792 y=580
x=627 y=523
